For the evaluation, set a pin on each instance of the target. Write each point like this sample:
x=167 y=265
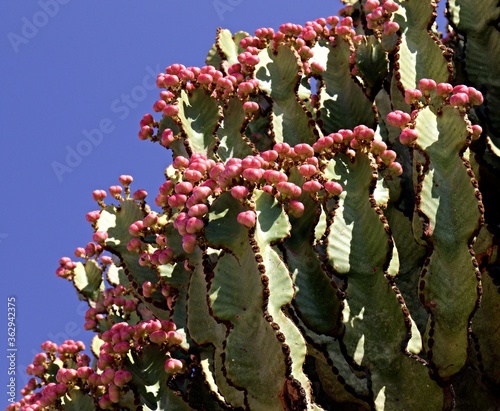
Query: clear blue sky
x=76 y=77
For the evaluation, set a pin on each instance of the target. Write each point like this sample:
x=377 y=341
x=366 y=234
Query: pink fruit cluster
x=107 y=383
x=49 y=394
x=238 y=80
x=378 y=16
x=198 y=181
x=459 y=96
x=115 y=301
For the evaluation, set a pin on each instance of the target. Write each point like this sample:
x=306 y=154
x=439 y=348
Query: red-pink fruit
x=377 y=146
x=477 y=130
x=188 y=243
x=122 y=377
x=459 y=99
x=333 y=188
x=307 y=170
x=99 y=195
x=100 y=237
x=282 y=148
x=371 y=5
x=136 y=228
x=173 y=337
x=426 y=85
x=167 y=137
x=107 y=376
x=247 y=218
x=193 y=225
x=105 y=402
x=198 y=210
x=253 y=174
x=398 y=118
x=250 y=106
x=289 y=189
x=312 y=186
x=121 y=347
x=444 y=89
x=390 y=27
x=173 y=365
x=303 y=150
x=363 y=133
x=239 y=192
x=412 y=95
x=408 y=136
x=139 y=195
x=323 y=143
x=158 y=337
x=475 y=97
x=295 y=208
x=395 y=168
x=388 y=156
x=171 y=110
x=390 y=6
x=150 y=220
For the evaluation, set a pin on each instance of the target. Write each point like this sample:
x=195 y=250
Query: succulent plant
x=326 y=235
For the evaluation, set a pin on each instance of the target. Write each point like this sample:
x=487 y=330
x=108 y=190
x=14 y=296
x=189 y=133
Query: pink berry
x=122 y=377
x=395 y=168
x=477 y=130
x=390 y=27
x=408 y=136
x=304 y=150
x=398 y=118
x=307 y=170
x=139 y=195
x=363 y=133
x=173 y=366
x=93 y=216
x=288 y=189
x=323 y=143
x=296 y=208
x=171 y=110
x=100 y=237
x=378 y=146
x=239 y=192
x=282 y=148
x=459 y=99
x=390 y=6
x=198 y=210
x=173 y=337
x=189 y=243
x=167 y=137
x=194 y=225
x=475 y=97
x=247 y=218
x=158 y=337
x=388 y=156
x=412 y=95
x=99 y=195
x=312 y=186
x=333 y=188
x=371 y=5
x=426 y=85
x=444 y=89
x=253 y=174
x=250 y=106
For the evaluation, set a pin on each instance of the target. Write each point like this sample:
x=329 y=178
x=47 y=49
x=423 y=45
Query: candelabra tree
x=326 y=235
